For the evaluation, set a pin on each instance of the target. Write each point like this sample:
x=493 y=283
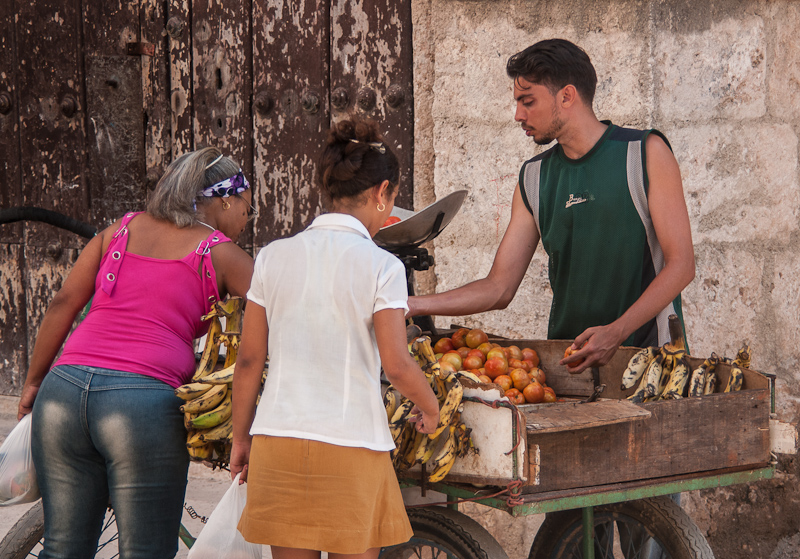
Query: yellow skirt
x=311 y=495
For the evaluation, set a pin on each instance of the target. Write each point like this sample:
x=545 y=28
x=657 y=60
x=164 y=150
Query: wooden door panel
x=291 y=116
x=372 y=74
x=115 y=143
x=51 y=114
x=10 y=179
x=180 y=76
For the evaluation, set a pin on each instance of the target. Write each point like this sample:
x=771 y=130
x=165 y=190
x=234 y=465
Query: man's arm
x=496 y=290
x=671 y=222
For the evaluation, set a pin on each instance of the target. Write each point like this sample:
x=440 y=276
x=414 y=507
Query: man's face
x=537 y=111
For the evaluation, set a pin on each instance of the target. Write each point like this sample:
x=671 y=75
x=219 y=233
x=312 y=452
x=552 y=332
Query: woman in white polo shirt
x=329 y=305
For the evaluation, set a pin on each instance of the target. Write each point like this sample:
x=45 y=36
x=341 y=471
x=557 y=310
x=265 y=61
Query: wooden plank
x=221 y=61
x=180 y=77
x=115 y=146
x=45 y=274
x=13 y=319
x=52 y=132
x=572 y=416
x=10 y=177
x=682 y=436
x=115 y=150
x=372 y=63
x=155 y=87
x=290 y=58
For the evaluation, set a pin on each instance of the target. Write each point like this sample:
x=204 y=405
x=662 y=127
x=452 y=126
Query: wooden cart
x=599 y=465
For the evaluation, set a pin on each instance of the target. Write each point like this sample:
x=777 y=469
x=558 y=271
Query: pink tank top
x=146 y=311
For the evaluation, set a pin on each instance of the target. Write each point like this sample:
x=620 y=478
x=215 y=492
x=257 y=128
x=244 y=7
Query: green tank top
x=595 y=226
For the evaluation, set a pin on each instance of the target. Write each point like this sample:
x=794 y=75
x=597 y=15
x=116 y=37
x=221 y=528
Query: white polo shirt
x=320 y=290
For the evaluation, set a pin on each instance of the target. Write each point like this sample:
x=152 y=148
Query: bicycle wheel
x=24 y=539
x=656 y=528
x=441 y=533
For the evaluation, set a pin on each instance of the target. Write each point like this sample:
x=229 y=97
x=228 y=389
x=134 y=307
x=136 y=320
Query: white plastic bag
x=220 y=539
x=17 y=474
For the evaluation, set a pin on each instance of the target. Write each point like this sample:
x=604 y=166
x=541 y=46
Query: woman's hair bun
x=355 y=158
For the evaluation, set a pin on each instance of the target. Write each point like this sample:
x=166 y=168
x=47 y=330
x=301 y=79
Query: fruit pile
x=516 y=370
x=208 y=408
x=437 y=451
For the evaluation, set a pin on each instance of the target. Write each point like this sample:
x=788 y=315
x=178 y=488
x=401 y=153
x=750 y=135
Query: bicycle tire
x=441 y=533
x=24 y=535
x=664 y=522
x=24 y=539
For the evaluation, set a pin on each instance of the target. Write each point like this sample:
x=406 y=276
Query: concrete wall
x=722 y=81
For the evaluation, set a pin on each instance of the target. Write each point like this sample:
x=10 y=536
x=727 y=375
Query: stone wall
x=722 y=81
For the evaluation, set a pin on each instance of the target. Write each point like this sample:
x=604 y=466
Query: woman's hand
x=240 y=459
x=29 y=393
x=425 y=422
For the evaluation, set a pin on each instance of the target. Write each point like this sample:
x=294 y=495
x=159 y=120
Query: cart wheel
x=441 y=533
x=655 y=528
x=24 y=539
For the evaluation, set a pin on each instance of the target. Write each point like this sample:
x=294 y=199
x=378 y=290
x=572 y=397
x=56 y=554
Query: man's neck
x=581 y=135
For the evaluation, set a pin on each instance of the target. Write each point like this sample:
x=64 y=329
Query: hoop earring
x=381 y=207
x=225 y=204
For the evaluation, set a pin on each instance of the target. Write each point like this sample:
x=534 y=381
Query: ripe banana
x=677 y=381
x=216 y=416
x=466 y=374
x=223 y=376
x=194 y=439
x=207 y=401
x=711 y=375
x=187 y=420
x=220 y=433
x=449 y=407
x=697 y=382
x=208 y=361
x=192 y=390
x=666 y=372
x=202 y=452
x=391 y=401
x=637 y=366
x=444 y=460
x=734 y=380
x=742 y=359
x=652 y=376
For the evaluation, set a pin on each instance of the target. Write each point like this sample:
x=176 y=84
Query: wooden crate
x=574 y=445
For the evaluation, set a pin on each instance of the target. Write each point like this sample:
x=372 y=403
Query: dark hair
x=355 y=159
x=555 y=63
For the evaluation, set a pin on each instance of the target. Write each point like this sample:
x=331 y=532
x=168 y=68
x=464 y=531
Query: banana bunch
x=208 y=406
x=439 y=450
x=664 y=374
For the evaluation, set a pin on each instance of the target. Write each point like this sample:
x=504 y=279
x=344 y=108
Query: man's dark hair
x=555 y=63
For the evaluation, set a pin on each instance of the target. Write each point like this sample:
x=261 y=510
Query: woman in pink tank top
x=106 y=423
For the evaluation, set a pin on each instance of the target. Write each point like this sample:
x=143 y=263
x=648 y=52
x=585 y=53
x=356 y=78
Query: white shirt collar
x=340 y=221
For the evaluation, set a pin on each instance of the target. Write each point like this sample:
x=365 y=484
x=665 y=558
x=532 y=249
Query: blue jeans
x=100 y=437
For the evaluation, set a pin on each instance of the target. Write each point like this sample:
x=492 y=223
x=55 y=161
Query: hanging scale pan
x=415 y=228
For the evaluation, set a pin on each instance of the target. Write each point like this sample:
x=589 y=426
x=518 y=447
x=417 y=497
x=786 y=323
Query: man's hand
x=597 y=346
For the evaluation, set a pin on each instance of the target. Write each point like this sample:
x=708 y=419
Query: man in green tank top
x=607 y=204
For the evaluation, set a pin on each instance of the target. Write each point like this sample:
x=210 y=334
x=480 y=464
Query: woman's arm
x=234 y=269
x=247 y=383
x=401 y=369
x=57 y=322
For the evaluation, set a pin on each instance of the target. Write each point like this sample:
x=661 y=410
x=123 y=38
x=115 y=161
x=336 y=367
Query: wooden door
x=98 y=96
